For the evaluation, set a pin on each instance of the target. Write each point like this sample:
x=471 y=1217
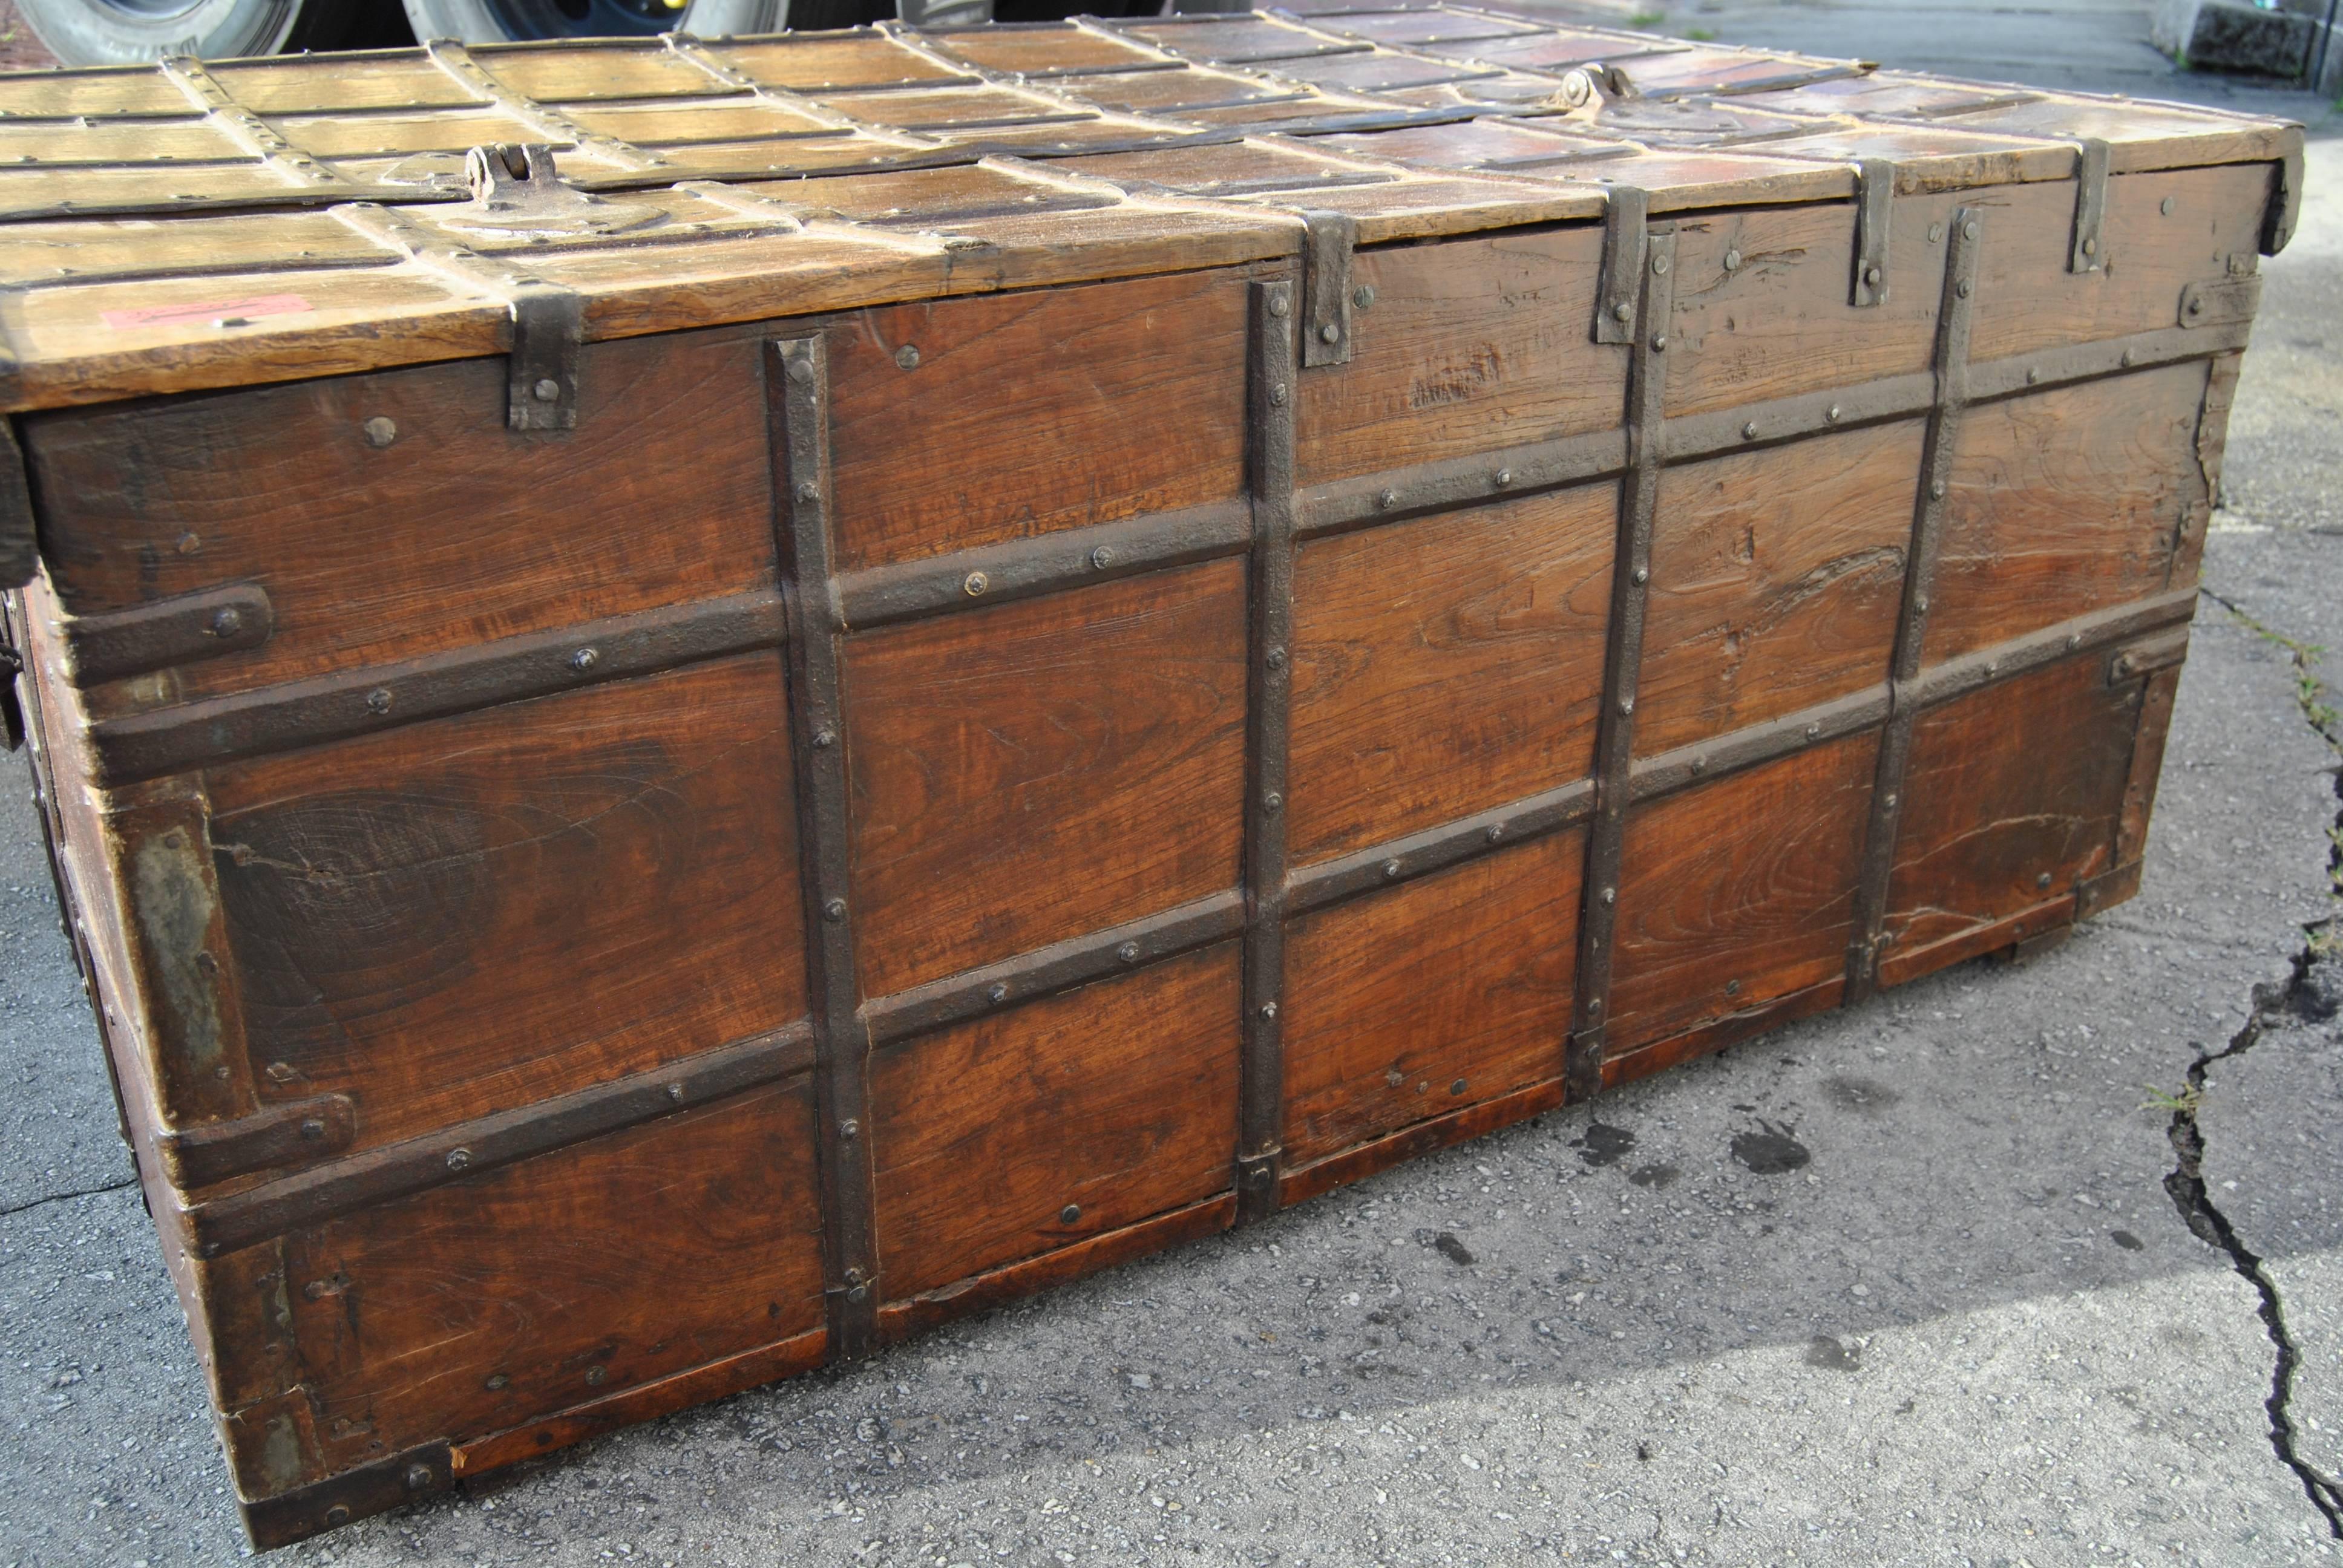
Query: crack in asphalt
x=64 y=1197
x=2272 y=1008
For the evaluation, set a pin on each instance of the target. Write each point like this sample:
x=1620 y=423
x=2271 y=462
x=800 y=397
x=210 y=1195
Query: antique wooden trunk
x=846 y=674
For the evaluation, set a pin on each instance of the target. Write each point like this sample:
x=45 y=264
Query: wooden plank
x=1776 y=577
x=2063 y=502
x=950 y=423
x=490 y=909
x=1467 y=347
x=1739 y=893
x=1413 y=1003
x=1035 y=771
x=1085 y=1112
x=1447 y=664
x=394 y=515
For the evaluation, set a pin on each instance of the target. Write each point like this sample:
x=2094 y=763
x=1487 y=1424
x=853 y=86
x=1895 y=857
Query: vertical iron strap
x=1261 y=1092
x=1625 y=228
x=796 y=402
x=1614 y=747
x=1878 y=864
x=2087 y=254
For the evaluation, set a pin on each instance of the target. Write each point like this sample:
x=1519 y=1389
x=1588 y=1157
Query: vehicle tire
x=496 y=21
x=135 y=32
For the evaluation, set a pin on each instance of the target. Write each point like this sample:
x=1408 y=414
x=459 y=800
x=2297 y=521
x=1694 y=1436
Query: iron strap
x=1934 y=490
x=1614 y=744
x=797 y=393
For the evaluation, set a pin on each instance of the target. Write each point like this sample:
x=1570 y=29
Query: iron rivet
x=1643 y=575
x=313 y=1129
x=1390 y=867
x=338 y=1515
x=1831 y=413
x=2043 y=881
x=850 y=1127
x=1733 y=261
x=1733 y=987
x=378 y=699
x=1277 y=306
x=1363 y=297
x=1388 y=499
x=853 y=1276
x=2165 y=207
x=1626 y=706
x=1970 y=229
x=858 y=1294
x=1610 y=896
x=1936 y=490
x=1920 y=601
x=379 y=431
x=419 y=1476
x=808 y=491
x=1261 y=1176
x=1699 y=765
x=228 y=622
x=1128 y=952
x=1330 y=333
x=1504 y=478
x=1813 y=730
x=1594 y=1004
x=1277 y=396
x=2032 y=375
x=189 y=543
x=1070 y=1213
x=1891 y=802
x=908 y=356
x=834 y=911
x=1992 y=667
x=1496 y=831
x=974 y=584
x=496 y=1381
x=1935 y=232
x=2090 y=247
x=1871 y=276
x=2195 y=305
x=594 y=1376
x=2074 y=639
x=1272 y=802
x=1659 y=266
x=1102 y=557
x=675 y=1092
x=549 y=390
x=1623 y=311
x=2128 y=358
x=459 y=1158
x=584 y=659
x=1000 y=991
x=1275 y=658
x=801 y=369
x=1749 y=431
x=1457 y=1086
x=1659 y=343
x=1963 y=287
x=824 y=738
x=1268 y=1009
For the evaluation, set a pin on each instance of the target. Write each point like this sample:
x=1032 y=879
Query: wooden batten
x=731 y=697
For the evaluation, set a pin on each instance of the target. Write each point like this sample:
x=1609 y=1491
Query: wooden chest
x=914 y=664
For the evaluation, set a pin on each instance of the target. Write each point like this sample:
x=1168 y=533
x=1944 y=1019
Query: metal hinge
x=1328 y=239
x=1875 y=203
x=1625 y=238
x=2088 y=251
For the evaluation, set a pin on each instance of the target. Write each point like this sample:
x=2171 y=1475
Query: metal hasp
x=2285 y=209
x=2089 y=252
x=1875 y=203
x=1328 y=238
x=1625 y=242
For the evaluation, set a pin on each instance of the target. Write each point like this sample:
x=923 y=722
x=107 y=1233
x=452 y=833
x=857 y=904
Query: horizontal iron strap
x=399 y=1170
x=1973 y=672
x=1435 y=849
x=366 y=701
x=1025 y=568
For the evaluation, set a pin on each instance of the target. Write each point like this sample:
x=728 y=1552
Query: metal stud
x=1272 y=802
x=1733 y=261
x=1623 y=311
x=2090 y=247
x=379 y=431
x=1964 y=288
x=1330 y=333
x=1660 y=342
x=1128 y=952
x=1363 y=297
x=1935 y=232
x=1275 y=658
x=1000 y=991
x=1102 y=557
x=1277 y=396
x=1871 y=276
x=850 y=1127
x=2032 y=375
x=227 y=622
x=1699 y=765
x=1936 y=489
x=2043 y=881
x=457 y=1159
x=1610 y=896
x=1277 y=304
x=1733 y=987
x=584 y=659
x=1642 y=576
x=1457 y=1086
x=2129 y=358
x=808 y=491
x=547 y=390
x=1070 y=1213
x=1970 y=229
x=1505 y=476
x=1626 y=706
x=1391 y=869
x=908 y=356
x=313 y=1129
x=824 y=738
x=1659 y=266
x=1388 y=499
x=1813 y=731
x=834 y=911
x=378 y=699
x=801 y=369
x=2165 y=207
x=675 y=1092
x=1268 y=1009
x=1496 y=831
x=1749 y=431
x=974 y=584
x=1831 y=413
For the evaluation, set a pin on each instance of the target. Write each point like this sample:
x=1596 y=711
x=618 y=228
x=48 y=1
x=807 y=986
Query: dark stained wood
x=1469 y=347
x=1623 y=1068
x=479 y=1306
x=1445 y=665
x=1116 y=1101
x=2062 y=503
x=1029 y=773
x=968 y=446
x=1777 y=577
x=485 y=911
x=456 y=532
x=1413 y=1003
x=1991 y=829
x=1739 y=893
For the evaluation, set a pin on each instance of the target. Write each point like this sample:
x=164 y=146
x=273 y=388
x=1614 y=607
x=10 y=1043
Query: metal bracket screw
x=584 y=659
x=908 y=356
x=834 y=911
x=459 y=1158
x=547 y=390
x=974 y=584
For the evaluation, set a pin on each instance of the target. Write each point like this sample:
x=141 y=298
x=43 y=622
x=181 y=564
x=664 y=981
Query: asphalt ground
x=2001 y=1268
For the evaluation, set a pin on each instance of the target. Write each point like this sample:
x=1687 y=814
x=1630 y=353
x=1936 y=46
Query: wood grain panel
x=1022 y=413
x=1739 y=893
x=1414 y=1002
x=2027 y=300
x=457 y=531
x=468 y=915
x=1446 y=664
x=1038 y=771
x=1778 y=321
x=2064 y=502
x=1469 y=346
x=1776 y=579
x=482 y=1304
x=2012 y=794
x=1119 y=1100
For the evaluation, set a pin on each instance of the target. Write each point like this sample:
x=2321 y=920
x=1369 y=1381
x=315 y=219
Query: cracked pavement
x=1903 y=1284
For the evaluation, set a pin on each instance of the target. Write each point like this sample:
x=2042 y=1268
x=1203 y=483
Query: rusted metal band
x=1625 y=240
x=1874 y=203
x=289 y=1132
x=1023 y=569
x=458 y=64
x=798 y=382
x=1056 y=967
x=1328 y=239
x=167 y=633
x=1270 y=397
x=1957 y=677
x=1703 y=761
x=222 y=1225
x=2087 y=253
x=360 y=1493
x=1993 y=379
x=1404 y=858
x=365 y=701
x=1934 y=486
x=1615 y=744
x=1381 y=498
x=241 y=126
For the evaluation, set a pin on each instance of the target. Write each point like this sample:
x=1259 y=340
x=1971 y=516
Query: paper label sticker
x=230 y=311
